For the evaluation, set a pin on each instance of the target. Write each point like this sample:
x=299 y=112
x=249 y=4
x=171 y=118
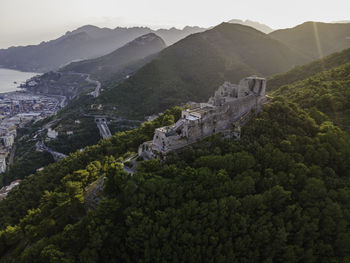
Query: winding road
x=96 y=92
x=40 y=146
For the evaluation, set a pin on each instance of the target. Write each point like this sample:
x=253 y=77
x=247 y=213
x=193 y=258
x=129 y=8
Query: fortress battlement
x=229 y=104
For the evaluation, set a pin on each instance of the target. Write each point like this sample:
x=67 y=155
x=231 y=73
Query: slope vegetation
x=322 y=85
x=122 y=61
x=307 y=70
x=328 y=92
x=315 y=39
x=258 y=26
x=281 y=193
x=194 y=67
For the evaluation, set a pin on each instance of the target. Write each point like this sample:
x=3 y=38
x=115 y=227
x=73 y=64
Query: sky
x=32 y=21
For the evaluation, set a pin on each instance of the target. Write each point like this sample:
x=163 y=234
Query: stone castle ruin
x=223 y=113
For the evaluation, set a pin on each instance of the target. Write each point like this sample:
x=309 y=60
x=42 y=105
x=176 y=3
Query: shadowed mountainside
x=307 y=70
x=258 y=26
x=83 y=43
x=192 y=68
x=315 y=39
x=122 y=61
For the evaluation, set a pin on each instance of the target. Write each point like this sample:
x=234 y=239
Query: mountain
x=121 y=62
x=280 y=193
x=258 y=26
x=319 y=86
x=192 y=68
x=74 y=79
x=173 y=34
x=342 y=21
x=83 y=43
x=315 y=39
x=327 y=92
x=310 y=69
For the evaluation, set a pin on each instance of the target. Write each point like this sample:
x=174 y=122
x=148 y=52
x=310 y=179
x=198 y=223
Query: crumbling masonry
x=222 y=113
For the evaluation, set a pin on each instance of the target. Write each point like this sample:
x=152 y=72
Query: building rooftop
x=201 y=110
x=192 y=118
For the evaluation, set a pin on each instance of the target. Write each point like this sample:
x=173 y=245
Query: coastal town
x=17 y=109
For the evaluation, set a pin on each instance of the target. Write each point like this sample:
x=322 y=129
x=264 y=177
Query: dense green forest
x=328 y=92
x=315 y=39
x=29 y=192
x=310 y=69
x=281 y=193
x=174 y=82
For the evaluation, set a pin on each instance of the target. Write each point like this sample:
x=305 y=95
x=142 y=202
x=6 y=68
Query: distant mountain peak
x=87 y=27
x=258 y=26
x=147 y=38
x=122 y=61
x=331 y=37
x=85 y=42
x=236 y=26
x=342 y=22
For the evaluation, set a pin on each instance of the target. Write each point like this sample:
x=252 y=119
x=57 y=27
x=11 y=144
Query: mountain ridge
x=119 y=63
x=259 y=26
x=315 y=39
x=190 y=68
x=309 y=69
x=85 y=42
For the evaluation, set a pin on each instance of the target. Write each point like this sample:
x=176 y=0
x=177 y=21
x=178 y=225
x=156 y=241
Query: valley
x=144 y=150
x=18 y=110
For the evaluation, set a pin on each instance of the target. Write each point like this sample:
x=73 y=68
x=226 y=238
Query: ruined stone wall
x=221 y=119
x=226 y=110
x=159 y=139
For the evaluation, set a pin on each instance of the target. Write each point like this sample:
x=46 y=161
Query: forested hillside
x=279 y=194
x=194 y=67
x=327 y=92
x=315 y=39
x=307 y=70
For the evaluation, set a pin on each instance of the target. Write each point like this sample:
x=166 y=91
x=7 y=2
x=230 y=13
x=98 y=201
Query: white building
x=2 y=164
x=52 y=134
x=8 y=140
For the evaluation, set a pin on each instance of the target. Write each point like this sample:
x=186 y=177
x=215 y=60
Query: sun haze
x=31 y=21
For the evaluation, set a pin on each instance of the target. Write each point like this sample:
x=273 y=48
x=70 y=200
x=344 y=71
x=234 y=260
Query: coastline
x=11 y=79
x=19 y=70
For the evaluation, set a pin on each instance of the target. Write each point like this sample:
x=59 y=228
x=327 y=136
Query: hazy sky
x=31 y=21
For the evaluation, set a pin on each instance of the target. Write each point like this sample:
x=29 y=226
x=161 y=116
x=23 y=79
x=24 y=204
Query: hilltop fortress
x=230 y=105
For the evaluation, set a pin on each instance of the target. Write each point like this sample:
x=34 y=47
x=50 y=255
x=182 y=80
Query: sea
x=11 y=79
